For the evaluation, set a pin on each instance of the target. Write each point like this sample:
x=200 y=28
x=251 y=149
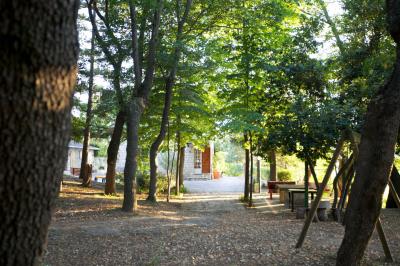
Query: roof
x=77 y=145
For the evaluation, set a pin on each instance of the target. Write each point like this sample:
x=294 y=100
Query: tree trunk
x=169 y=83
x=132 y=150
x=246 y=169
x=272 y=166
x=178 y=140
x=38 y=55
x=395 y=177
x=112 y=153
x=84 y=175
x=181 y=166
x=251 y=173
x=375 y=159
x=156 y=144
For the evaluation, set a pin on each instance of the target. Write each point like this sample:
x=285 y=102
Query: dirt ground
x=199 y=229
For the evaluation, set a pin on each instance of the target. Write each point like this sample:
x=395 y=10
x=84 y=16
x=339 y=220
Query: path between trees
x=199 y=229
x=222 y=185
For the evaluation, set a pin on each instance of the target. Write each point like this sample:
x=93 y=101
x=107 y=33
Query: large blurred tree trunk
x=112 y=153
x=83 y=174
x=375 y=160
x=38 y=55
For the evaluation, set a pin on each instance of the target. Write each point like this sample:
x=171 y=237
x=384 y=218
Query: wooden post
x=394 y=193
x=349 y=163
x=305 y=185
x=346 y=189
x=321 y=188
x=382 y=237
x=313 y=173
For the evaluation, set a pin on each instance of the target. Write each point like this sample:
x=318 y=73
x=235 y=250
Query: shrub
x=284 y=175
x=143 y=182
x=234 y=169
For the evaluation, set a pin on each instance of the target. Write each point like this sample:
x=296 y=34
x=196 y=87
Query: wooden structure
x=346 y=173
x=273 y=188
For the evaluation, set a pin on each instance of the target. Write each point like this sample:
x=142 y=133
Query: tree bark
x=181 y=166
x=136 y=109
x=38 y=55
x=246 y=169
x=112 y=153
x=156 y=144
x=138 y=101
x=83 y=174
x=169 y=84
x=375 y=159
x=178 y=140
x=251 y=173
x=272 y=166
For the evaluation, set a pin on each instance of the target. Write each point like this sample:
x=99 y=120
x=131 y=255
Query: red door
x=205 y=161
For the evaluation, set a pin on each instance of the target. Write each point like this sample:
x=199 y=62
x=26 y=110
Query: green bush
x=143 y=182
x=234 y=169
x=284 y=175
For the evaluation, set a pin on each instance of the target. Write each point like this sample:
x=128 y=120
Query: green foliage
x=284 y=175
x=219 y=163
x=234 y=169
x=143 y=182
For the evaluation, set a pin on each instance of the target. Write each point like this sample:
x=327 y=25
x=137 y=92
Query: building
x=198 y=164
x=73 y=164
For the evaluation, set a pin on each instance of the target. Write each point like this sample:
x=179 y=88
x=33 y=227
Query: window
x=197 y=158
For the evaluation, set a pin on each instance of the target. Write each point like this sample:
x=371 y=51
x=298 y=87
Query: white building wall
x=121 y=157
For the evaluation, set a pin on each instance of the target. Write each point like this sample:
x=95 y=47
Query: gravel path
x=200 y=229
x=226 y=184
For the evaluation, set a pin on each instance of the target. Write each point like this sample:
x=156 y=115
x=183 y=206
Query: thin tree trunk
x=168 y=162
x=272 y=165
x=156 y=144
x=332 y=25
x=375 y=159
x=246 y=169
x=181 y=166
x=83 y=174
x=251 y=172
x=177 y=178
x=112 y=153
x=132 y=150
x=38 y=55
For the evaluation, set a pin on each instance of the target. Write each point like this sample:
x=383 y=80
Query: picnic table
x=295 y=191
x=272 y=186
x=284 y=192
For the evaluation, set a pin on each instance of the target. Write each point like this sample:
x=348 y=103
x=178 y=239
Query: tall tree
x=115 y=52
x=139 y=98
x=38 y=64
x=169 y=83
x=84 y=174
x=375 y=159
